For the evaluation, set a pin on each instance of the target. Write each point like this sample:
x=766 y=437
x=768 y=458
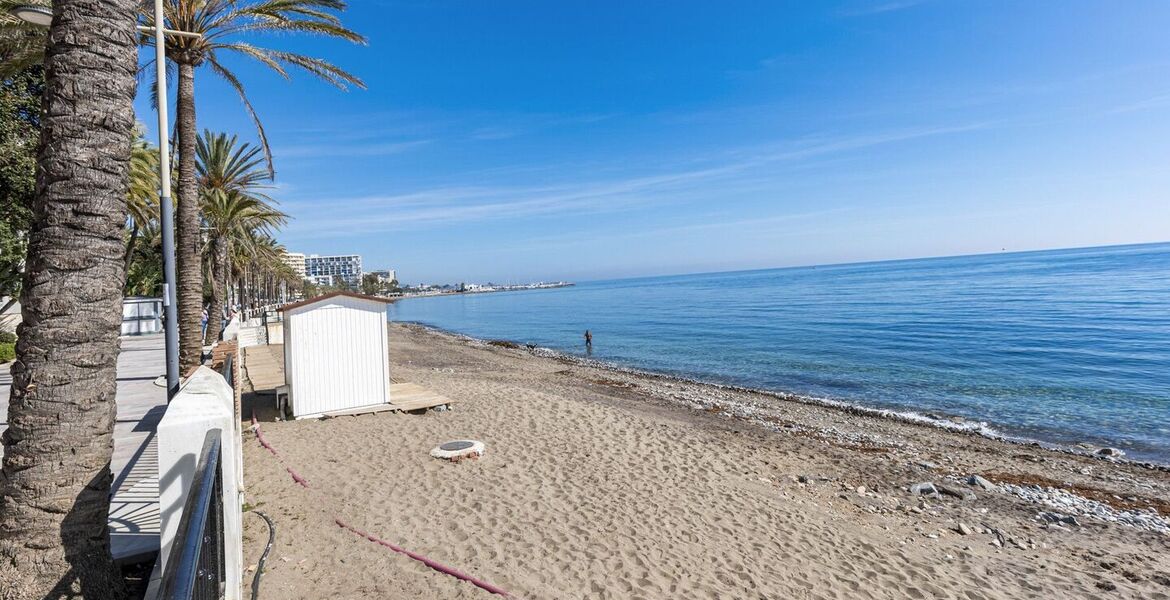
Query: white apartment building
x=385 y=275
x=347 y=266
x=295 y=260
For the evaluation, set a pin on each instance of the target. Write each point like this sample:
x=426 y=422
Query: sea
x=1060 y=346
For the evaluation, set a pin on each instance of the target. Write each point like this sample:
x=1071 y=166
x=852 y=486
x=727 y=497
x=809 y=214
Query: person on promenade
x=203 y=322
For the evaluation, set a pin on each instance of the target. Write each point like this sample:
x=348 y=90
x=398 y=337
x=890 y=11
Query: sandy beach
x=604 y=484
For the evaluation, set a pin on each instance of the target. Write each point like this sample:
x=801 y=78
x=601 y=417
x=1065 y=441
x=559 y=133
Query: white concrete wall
x=335 y=356
x=205 y=402
x=251 y=336
x=275 y=332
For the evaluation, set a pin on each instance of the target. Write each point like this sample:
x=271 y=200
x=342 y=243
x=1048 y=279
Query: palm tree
x=20 y=108
x=258 y=269
x=145 y=273
x=222 y=24
x=233 y=184
x=142 y=200
x=55 y=482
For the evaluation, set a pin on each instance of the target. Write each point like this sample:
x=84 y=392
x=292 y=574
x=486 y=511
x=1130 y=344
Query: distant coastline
x=487 y=289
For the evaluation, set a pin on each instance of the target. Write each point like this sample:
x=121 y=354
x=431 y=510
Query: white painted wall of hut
x=335 y=355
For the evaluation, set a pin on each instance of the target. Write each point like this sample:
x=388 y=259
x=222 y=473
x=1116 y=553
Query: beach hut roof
x=294 y=305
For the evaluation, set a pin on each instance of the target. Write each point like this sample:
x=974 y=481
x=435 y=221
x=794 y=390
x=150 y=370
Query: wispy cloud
x=389 y=132
x=493 y=133
x=710 y=224
x=330 y=217
x=349 y=149
x=765 y=64
x=879 y=8
x=1157 y=101
x=751 y=167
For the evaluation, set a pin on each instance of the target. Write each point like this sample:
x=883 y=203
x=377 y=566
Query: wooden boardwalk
x=134 y=512
x=264 y=368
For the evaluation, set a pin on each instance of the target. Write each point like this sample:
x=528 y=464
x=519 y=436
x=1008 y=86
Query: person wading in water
x=588 y=342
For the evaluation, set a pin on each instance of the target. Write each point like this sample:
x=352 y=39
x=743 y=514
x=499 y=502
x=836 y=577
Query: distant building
x=348 y=267
x=295 y=260
x=385 y=275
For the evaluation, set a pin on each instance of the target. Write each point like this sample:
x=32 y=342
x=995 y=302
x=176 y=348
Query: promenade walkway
x=134 y=513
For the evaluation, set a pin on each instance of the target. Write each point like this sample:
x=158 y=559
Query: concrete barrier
x=275 y=333
x=205 y=402
x=252 y=335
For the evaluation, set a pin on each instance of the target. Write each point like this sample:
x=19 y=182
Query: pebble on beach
x=981 y=483
x=925 y=488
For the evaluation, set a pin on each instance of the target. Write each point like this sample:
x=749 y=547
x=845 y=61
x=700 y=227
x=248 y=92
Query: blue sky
x=516 y=141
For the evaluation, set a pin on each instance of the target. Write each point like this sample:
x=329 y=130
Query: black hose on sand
x=263 y=557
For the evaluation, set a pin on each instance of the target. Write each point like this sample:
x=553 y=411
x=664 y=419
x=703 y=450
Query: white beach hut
x=335 y=354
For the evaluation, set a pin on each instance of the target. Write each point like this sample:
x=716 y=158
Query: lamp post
x=36 y=15
x=40 y=15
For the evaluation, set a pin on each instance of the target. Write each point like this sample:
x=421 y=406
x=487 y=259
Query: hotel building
x=348 y=267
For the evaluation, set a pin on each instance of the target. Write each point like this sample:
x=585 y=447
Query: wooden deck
x=264 y=371
x=264 y=367
x=412 y=396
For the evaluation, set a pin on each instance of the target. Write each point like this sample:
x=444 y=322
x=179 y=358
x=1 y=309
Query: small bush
x=7 y=337
x=7 y=351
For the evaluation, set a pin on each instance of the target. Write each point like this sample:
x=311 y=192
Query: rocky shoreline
x=949 y=423
x=1059 y=502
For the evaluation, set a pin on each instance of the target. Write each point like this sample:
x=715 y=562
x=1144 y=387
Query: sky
x=516 y=141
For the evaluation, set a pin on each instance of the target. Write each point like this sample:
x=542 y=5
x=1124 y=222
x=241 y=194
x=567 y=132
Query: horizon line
x=880 y=261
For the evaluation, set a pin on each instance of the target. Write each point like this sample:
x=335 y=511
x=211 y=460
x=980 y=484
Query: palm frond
x=321 y=68
x=234 y=201
x=142 y=201
x=237 y=85
x=222 y=25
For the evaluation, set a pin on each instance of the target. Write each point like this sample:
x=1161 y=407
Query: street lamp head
x=36 y=15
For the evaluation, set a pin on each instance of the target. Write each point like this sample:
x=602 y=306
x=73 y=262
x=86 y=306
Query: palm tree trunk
x=187 y=242
x=229 y=289
x=130 y=247
x=55 y=482
x=241 y=297
x=218 y=268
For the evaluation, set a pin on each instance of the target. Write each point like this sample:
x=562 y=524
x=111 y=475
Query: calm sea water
x=1064 y=346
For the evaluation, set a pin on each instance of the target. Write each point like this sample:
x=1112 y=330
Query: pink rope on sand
x=260 y=437
x=440 y=567
x=297 y=478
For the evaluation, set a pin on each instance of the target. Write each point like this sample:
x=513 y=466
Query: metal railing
x=195 y=568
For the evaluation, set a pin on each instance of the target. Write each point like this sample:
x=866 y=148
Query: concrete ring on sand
x=458 y=449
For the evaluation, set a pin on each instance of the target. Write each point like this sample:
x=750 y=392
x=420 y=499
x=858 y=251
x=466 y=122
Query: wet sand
x=604 y=484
